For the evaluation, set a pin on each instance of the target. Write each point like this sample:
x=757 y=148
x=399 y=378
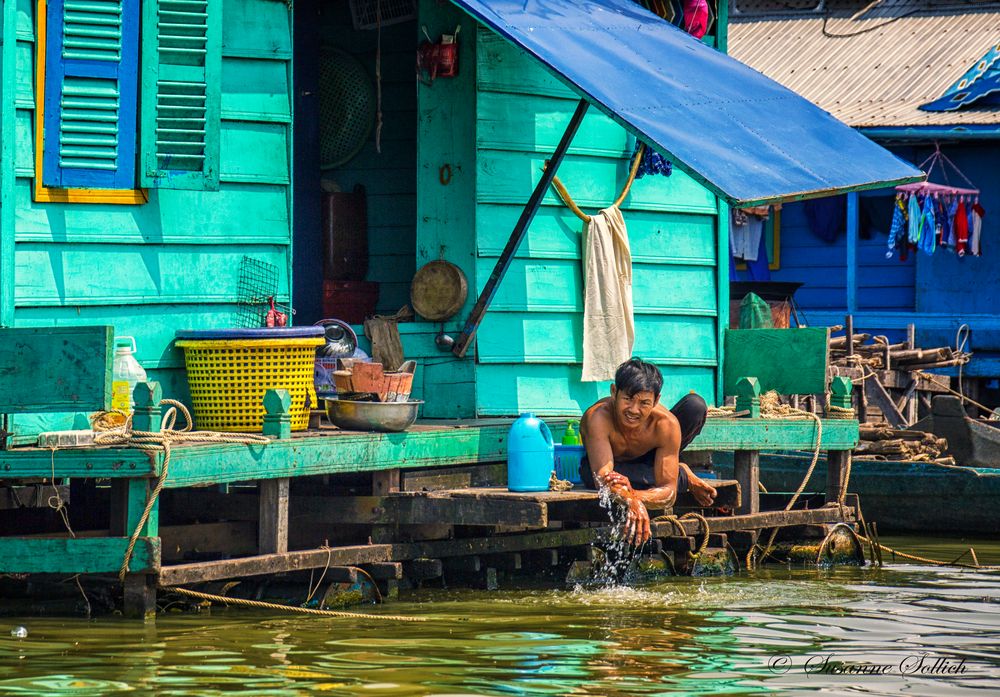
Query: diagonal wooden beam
x=517 y=235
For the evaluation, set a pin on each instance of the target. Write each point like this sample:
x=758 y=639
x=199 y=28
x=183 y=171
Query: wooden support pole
x=838 y=462
x=272 y=526
x=747 y=462
x=746 y=468
x=517 y=235
x=849 y=324
x=272 y=523
x=910 y=409
x=139 y=599
x=853 y=225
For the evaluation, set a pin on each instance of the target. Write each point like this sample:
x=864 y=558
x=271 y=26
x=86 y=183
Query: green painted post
x=746 y=463
x=748 y=396
x=841 y=389
x=277 y=419
x=147 y=414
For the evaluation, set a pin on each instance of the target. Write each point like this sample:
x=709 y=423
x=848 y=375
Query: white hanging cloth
x=608 y=322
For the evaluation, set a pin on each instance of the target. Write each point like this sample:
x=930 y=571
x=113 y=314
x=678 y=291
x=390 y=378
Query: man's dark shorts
x=690 y=411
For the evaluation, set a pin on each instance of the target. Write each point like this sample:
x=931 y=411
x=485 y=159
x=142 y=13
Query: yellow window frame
x=42 y=193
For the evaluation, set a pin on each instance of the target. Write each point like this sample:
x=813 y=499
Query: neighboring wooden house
x=201 y=93
x=875 y=71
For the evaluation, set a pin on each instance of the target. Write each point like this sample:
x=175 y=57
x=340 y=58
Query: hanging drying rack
x=928 y=187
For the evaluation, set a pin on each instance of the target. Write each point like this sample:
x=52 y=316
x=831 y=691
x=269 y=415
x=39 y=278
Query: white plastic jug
x=125 y=375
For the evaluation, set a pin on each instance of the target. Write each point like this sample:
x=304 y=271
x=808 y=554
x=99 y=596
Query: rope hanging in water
x=291 y=608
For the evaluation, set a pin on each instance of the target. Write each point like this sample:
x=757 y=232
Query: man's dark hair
x=636 y=375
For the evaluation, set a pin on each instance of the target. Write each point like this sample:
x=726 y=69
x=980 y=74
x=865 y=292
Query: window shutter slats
x=182 y=55
x=91 y=89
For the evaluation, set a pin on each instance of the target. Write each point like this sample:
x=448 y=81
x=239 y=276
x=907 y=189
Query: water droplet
x=19 y=632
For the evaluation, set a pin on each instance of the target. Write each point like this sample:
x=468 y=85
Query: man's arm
x=597 y=439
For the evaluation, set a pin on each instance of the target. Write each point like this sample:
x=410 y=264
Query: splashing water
x=614 y=561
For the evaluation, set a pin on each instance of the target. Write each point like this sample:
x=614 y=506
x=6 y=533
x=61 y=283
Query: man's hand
x=617 y=482
x=637 y=530
x=703 y=493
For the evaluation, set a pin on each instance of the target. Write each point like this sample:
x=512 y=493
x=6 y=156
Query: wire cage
x=365 y=13
x=258 y=283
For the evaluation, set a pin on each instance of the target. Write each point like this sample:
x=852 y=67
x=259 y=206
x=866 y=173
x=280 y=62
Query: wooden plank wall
x=390 y=176
x=173 y=262
x=883 y=284
x=529 y=346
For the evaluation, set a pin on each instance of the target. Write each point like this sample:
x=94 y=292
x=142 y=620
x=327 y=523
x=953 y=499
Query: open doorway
x=355 y=158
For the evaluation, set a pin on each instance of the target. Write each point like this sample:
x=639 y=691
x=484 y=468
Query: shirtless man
x=633 y=445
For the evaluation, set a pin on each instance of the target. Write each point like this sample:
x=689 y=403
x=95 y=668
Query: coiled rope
x=677 y=524
x=161 y=442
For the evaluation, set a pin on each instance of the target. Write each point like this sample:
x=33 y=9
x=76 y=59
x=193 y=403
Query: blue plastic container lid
x=307 y=332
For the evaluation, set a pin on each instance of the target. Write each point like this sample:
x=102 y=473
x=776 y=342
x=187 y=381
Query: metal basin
x=390 y=417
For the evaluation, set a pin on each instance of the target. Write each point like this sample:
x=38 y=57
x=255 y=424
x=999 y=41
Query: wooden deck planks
x=331 y=451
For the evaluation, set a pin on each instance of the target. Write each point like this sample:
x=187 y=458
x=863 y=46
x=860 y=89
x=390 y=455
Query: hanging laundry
x=952 y=241
x=961 y=229
x=760 y=269
x=745 y=233
x=827 y=217
x=928 y=239
x=976 y=215
x=608 y=318
x=913 y=218
x=695 y=20
x=897 y=230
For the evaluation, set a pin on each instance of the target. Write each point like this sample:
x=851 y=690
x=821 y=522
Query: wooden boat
x=899 y=496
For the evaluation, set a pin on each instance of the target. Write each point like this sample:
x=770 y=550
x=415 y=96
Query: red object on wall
x=350 y=301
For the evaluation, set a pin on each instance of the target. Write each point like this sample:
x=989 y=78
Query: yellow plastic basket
x=228 y=379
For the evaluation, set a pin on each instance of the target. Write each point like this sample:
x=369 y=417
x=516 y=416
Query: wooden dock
x=400 y=506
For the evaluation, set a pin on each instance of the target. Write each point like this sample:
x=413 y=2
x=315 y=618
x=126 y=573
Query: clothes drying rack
x=928 y=187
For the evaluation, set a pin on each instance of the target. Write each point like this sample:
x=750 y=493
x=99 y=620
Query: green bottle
x=571 y=437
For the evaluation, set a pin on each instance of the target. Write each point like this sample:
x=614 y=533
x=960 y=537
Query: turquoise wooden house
x=149 y=146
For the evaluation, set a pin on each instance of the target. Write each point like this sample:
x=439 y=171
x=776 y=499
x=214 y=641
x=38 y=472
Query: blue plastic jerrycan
x=530 y=458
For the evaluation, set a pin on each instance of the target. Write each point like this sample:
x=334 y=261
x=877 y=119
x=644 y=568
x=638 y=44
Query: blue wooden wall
x=173 y=262
x=822 y=266
x=942 y=284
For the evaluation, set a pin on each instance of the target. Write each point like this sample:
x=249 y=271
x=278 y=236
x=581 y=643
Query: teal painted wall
x=529 y=345
x=174 y=262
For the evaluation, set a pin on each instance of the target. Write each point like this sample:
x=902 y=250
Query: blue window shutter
x=181 y=94
x=91 y=94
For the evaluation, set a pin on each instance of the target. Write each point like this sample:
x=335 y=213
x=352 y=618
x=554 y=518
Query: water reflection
x=713 y=636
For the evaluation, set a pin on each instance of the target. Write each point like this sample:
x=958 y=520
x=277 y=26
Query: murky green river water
x=921 y=629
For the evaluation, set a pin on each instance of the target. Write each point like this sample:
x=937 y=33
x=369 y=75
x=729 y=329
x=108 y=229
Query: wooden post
x=129 y=498
x=837 y=462
x=853 y=223
x=139 y=599
x=746 y=463
x=911 y=401
x=841 y=390
x=385 y=482
x=272 y=525
x=147 y=414
x=849 y=328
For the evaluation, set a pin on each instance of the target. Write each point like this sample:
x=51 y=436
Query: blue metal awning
x=739 y=133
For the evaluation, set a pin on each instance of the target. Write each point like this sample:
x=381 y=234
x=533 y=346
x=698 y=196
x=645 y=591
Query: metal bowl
x=388 y=417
